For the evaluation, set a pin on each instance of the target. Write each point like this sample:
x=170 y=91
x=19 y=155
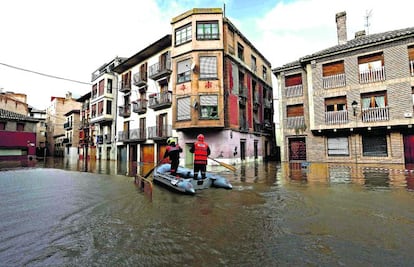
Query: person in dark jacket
x=201 y=152
x=173 y=152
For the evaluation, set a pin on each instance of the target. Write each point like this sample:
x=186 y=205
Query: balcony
x=336 y=117
x=159 y=101
x=297 y=122
x=140 y=79
x=295 y=90
x=372 y=75
x=134 y=135
x=125 y=87
x=160 y=70
x=244 y=127
x=104 y=139
x=125 y=111
x=139 y=106
x=375 y=114
x=68 y=125
x=334 y=81
x=159 y=132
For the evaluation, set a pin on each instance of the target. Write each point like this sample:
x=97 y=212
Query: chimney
x=360 y=34
x=341 y=27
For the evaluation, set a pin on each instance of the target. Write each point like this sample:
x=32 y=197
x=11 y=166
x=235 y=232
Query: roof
x=144 y=54
x=354 y=44
x=13 y=116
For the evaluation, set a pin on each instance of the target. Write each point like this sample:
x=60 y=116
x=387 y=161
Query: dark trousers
x=174 y=167
x=198 y=168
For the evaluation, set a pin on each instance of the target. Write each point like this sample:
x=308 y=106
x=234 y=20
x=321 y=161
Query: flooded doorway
x=297 y=148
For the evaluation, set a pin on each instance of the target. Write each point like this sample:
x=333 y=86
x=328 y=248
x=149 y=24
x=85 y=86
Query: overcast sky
x=71 y=39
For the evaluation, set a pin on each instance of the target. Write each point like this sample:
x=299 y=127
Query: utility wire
x=43 y=74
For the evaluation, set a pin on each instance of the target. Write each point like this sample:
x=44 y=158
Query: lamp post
x=354 y=105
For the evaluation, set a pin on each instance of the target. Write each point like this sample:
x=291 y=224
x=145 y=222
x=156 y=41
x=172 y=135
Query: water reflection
x=374 y=176
x=276 y=215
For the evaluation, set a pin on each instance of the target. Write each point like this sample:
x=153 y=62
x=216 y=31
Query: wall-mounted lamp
x=354 y=105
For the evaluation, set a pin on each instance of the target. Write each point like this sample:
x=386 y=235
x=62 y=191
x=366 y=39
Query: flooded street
x=275 y=215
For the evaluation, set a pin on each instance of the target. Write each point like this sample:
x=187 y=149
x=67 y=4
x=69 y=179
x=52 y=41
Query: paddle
x=155 y=166
x=228 y=166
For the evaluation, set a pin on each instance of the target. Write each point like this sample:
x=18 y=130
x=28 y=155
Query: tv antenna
x=368 y=15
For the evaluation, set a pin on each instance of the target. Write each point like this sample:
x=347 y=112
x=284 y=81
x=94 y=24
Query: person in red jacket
x=173 y=152
x=201 y=152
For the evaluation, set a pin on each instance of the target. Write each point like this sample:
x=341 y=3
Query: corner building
x=350 y=103
x=221 y=88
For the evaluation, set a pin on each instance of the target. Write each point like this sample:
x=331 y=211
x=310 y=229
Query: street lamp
x=354 y=105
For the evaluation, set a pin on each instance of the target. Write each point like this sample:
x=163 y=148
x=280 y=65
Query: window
x=184 y=71
x=335 y=103
x=208 y=107
x=101 y=87
x=240 y=51
x=108 y=107
x=100 y=108
x=374 y=100
x=264 y=73
x=338 y=146
x=94 y=90
x=374 y=145
x=333 y=75
x=183 y=108
x=2 y=125
x=371 y=68
x=253 y=63
x=208 y=67
x=20 y=127
x=183 y=34
x=207 y=30
x=109 y=88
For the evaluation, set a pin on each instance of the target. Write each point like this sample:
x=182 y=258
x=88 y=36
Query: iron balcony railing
x=138 y=134
x=159 y=132
x=295 y=90
x=373 y=75
x=336 y=117
x=160 y=100
x=125 y=111
x=139 y=106
x=375 y=114
x=160 y=69
x=125 y=86
x=334 y=81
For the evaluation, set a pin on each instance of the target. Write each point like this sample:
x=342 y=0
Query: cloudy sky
x=50 y=47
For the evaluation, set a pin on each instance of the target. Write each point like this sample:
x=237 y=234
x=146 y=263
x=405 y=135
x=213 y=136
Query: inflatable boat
x=184 y=182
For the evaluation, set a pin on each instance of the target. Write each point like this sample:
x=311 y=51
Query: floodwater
x=55 y=214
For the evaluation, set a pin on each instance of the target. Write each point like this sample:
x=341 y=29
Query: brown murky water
x=276 y=215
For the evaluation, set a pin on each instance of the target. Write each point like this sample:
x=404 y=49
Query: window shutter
x=183 y=66
x=208 y=67
x=183 y=109
x=338 y=146
x=208 y=100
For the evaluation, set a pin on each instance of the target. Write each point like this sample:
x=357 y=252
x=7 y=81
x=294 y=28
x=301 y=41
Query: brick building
x=352 y=102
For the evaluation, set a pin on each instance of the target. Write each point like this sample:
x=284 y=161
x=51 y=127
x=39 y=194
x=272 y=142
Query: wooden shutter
x=333 y=68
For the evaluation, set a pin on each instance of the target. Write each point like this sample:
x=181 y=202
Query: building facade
x=352 y=102
x=71 y=140
x=103 y=111
x=55 y=120
x=17 y=137
x=221 y=88
x=144 y=120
